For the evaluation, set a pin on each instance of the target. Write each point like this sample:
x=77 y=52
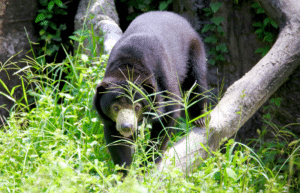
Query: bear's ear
x=101 y=88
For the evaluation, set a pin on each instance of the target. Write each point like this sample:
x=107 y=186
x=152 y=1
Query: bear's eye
x=116 y=108
x=137 y=108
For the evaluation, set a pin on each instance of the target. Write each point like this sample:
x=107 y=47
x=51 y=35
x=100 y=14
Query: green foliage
x=264 y=30
x=218 y=49
x=95 y=43
x=142 y=6
x=272 y=107
x=50 y=29
x=60 y=147
x=238 y=170
x=55 y=143
x=282 y=153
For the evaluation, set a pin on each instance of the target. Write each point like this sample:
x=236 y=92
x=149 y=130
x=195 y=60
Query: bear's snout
x=126 y=127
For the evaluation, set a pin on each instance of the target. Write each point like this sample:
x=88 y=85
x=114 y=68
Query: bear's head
x=118 y=101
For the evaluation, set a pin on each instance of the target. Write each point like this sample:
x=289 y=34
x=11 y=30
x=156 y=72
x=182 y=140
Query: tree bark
x=243 y=98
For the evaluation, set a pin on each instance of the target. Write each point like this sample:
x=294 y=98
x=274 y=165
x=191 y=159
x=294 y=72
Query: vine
x=142 y=6
x=217 y=48
x=264 y=30
x=50 y=27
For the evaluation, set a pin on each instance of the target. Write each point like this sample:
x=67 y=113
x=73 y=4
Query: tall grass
x=53 y=142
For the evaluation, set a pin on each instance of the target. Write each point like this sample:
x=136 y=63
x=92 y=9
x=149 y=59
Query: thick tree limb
x=243 y=98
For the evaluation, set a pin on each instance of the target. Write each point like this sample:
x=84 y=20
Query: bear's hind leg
x=197 y=73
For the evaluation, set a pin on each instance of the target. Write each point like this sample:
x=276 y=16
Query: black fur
x=157 y=51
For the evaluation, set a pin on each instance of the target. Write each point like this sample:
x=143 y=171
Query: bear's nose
x=126 y=127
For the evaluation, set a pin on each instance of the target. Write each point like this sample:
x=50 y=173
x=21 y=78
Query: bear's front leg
x=119 y=149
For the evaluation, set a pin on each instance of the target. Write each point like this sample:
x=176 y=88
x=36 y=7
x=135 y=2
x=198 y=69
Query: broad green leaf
x=222 y=47
x=40 y=17
x=215 y=6
x=208 y=27
x=231 y=173
x=255 y=5
x=260 y=10
x=259 y=50
x=267 y=21
x=212 y=61
x=220 y=30
x=163 y=5
x=274 y=24
x=257 y=24
x=51 y=5
x=211 y=39
x=217 y=20
x=59 y=3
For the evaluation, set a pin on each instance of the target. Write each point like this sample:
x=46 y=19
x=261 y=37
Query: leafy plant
x=218 y=49
x=47 y=146
x=95 y=43
x=55 y=147
x=142 y=6
x=264 y=30
x=50 y=29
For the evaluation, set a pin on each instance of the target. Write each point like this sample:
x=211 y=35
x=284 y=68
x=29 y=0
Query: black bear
x=159 y=52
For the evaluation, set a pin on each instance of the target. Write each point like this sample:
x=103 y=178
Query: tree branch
x=243 y=98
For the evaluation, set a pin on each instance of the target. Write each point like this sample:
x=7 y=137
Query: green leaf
x=231 y=173
x=208 y=27
x=164 y=5
x=7 y=96
x=13 y=90
x=207 y=11
x=221 y=58
x=51 y=5
x=42 y=32
x=24 y=91
x=274 y=24
x=257 y=24
x=260 y=10
x=217 y=20
x=40 y=17
x=265 y=51
x=267 y=116
x=49 y=15
x=53 y=25
x=75 y=38
x=268 y=37
x=222 y=47
x=59 y=3
x=60 y=12
x=276 y=101
x=255 y=5
x=45 y=23
x=220 y=30
x=259 y=50
x=212 y=61
x=211 y=39
x=44 y=3
x=212 y=52
x=267 y=21
x=259 y=31
x=4 y=85
x=215 y=6
x=63 y=26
